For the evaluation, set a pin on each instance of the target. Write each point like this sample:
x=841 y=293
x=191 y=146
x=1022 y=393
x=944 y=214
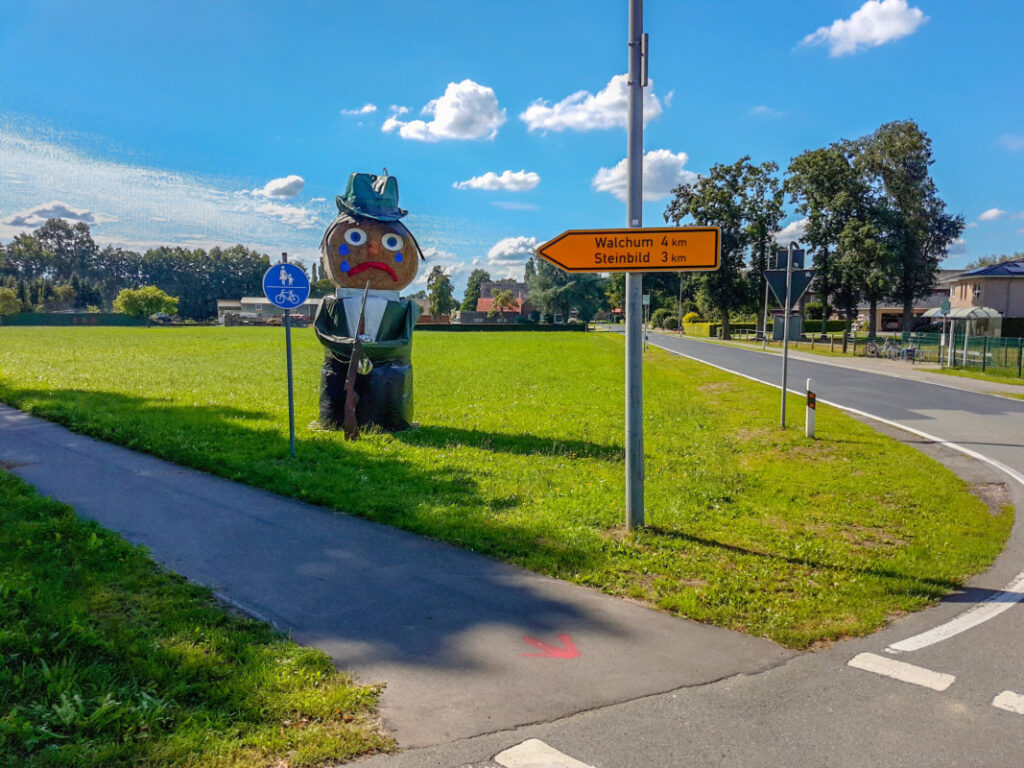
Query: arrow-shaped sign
x=567 y=651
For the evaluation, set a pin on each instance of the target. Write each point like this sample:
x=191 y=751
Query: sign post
x=286 y=286
x=637 y=79
x=789 y=287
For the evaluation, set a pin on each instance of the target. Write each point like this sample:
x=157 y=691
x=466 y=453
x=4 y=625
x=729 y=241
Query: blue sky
x=202 y=123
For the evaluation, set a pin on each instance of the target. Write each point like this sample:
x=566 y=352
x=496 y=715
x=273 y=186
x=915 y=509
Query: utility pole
x=634 y=282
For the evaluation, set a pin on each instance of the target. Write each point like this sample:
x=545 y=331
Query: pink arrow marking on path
x=567 y=651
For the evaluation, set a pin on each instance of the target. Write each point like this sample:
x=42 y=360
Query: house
x=998 y=286
x=485 y=304
x=889 y=316
x=258 y=309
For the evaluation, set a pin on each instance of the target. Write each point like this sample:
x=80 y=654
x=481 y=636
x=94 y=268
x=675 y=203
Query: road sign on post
x=286 y=286
x=651 y=249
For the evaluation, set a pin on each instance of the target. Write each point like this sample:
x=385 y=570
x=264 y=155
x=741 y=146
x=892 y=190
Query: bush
x=691 y=317
x=814 y=310
x=671 y=323
x=658 y=318
x=700 y=329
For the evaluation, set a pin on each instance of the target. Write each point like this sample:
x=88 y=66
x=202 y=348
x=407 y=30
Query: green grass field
x=520 y=456
x=107 y=661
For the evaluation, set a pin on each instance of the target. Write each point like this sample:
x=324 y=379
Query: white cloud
x=957 y=248
x=1013 y=142
x=141 y=207
x=467 y=110
x=792 y=232
x=509 y=181
x=875 y=23
x=37 y=215
x=286 y=187
x=585 y=111
x=762 y=111
x=992 y=214
x=318 y=199
x=515 y=206
x=662 y=171
x=293 y=215
x=366 y=109
x=972 y=225
x=512 y=251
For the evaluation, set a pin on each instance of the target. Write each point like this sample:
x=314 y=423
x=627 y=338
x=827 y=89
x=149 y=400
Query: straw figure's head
x=367 y=244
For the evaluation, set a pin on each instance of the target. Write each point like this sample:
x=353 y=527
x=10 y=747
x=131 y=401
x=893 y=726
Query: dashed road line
x=900 y=670
x=1010 y=701
x=534 y=753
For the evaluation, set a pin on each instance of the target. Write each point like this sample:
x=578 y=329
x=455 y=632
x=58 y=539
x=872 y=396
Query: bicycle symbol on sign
x=288 y=296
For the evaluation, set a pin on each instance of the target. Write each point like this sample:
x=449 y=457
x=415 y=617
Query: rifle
x=350 y=424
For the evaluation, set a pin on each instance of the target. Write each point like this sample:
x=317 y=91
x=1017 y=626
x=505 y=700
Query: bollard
x=811 y=403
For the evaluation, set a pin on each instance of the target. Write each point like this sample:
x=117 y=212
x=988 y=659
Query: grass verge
x=519 y=455
x=105 y=660
x=976 y=374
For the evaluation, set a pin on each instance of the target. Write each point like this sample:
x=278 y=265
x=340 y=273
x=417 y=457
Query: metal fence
x=998 y=356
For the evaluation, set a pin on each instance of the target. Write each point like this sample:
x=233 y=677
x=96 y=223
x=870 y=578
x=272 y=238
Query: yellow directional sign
x=664 y=249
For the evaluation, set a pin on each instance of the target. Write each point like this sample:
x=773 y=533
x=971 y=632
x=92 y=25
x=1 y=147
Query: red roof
x=486 y=305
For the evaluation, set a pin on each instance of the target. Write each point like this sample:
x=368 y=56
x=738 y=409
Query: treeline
x=876 y=229
x=59 y=266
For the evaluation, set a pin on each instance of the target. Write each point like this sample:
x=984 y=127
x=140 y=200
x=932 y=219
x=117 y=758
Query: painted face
x=357 y=251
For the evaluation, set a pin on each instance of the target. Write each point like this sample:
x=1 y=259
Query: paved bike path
x=446 y=629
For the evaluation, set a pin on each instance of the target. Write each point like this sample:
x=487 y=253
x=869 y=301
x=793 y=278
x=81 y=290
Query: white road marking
x=1010 y=701
x=900 y=670
x=1007 y=597
x=534 y=753
x=1003 y=600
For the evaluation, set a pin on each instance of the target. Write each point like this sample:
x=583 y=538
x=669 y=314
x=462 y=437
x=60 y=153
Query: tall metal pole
x=634 y=282
x=785 y=328
x=288 y=355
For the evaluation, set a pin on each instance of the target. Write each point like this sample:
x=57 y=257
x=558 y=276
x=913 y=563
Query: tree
x=476 y=277
x=440 y=292
x=865 y=260
x=720 y=199
x=555 y=292
x=895 y=160
x=503 y=300
x=26 y=258
x=145 y=302
x=10 y=304
x=829 y=192
x=991 y=261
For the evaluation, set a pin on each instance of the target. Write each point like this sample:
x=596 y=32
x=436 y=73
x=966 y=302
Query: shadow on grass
x=945 y=585
x=521 y=444
x=366 y=593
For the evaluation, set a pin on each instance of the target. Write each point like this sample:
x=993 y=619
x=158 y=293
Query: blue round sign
x=286 y=286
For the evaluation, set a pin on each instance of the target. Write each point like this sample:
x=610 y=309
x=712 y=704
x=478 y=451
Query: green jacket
x=394 y=339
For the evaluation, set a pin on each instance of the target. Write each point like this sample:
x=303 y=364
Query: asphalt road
x=957 y=700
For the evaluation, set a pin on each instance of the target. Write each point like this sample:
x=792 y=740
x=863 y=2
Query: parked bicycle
x=890 y=350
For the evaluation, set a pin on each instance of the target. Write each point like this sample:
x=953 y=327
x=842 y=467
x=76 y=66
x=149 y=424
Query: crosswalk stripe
x=1010 y=701
x=900 y=670
x=534 y=753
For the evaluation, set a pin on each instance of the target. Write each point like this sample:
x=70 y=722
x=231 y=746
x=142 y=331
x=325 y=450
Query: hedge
x=71 y=318
x=520 y=327
x=1013 y=326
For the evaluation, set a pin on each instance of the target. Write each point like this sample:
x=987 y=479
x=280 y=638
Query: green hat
x=375 y=197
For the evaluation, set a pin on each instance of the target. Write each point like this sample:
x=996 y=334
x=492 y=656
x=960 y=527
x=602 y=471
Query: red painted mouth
x=372 y=265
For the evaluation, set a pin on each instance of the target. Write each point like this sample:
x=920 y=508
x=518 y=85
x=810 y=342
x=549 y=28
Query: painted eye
x=392 y=242
x=355 y=236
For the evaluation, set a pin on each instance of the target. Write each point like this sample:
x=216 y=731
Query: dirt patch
x=995 y=495
x=747 y=434
x=12 y=464
x=869 y=537
x=717 y=386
